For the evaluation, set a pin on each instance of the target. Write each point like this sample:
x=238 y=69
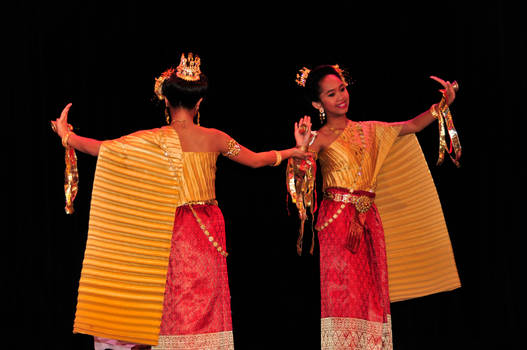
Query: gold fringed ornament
x=443 y=115
x=71 y=174
x=300 y=175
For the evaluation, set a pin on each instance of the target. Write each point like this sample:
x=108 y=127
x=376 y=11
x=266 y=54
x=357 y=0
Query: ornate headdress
x=188 y=70
x=342 y=74
x=158 y=87
x=303 y=73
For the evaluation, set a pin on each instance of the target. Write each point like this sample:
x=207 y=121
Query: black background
x=104 y=57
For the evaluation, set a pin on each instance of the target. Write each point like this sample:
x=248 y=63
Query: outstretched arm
x=424 y=119
x=245 y=156
x=82 y=144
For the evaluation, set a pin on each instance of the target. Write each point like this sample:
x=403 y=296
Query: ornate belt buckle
x=363 y=204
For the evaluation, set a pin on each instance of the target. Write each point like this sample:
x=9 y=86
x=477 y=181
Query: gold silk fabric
x=199 y=176
x=140 y=180
x=353 y=160
x=419 y=252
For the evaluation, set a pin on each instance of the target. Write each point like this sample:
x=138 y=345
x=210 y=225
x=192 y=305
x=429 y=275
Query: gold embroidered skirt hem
x=207 y=341
x=339 y=333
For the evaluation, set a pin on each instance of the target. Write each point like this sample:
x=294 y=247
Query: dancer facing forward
x=155 y=271
x=370 y=170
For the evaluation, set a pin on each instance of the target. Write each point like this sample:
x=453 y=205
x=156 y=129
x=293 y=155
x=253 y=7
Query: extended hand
x=60 y=125
x=303 y=132
x=449 y=89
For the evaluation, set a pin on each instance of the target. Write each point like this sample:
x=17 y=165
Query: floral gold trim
x=207 y=341
x=353 y=333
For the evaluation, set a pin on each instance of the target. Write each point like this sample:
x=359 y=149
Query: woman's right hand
x=60 y=125
x=303 y=132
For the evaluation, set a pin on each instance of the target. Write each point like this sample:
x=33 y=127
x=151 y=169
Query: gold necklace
x=338 y=131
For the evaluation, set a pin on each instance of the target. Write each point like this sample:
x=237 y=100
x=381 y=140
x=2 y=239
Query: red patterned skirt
x=197 y=309
x=355 y=305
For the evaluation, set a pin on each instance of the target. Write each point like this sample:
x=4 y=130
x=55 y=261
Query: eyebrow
x=330 y=90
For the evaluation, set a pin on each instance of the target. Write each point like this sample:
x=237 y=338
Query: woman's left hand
x=449 y=89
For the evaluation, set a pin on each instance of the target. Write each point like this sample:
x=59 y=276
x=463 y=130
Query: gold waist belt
x=205 y=202
x=362 y=200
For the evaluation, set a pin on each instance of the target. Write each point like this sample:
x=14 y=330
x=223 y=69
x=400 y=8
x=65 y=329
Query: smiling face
x=334 y=97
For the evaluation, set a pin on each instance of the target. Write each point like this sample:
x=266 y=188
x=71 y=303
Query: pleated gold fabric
x=419 y=251
x=353 y=160
x=136 y=190
x=199 y=176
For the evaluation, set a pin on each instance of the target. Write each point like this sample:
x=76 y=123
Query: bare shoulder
x=214 y=137
x=213 y=133
x=323 y=138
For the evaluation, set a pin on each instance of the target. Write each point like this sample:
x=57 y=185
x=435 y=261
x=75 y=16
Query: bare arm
x=426 y=118
x=245 y=156
x=82 y=144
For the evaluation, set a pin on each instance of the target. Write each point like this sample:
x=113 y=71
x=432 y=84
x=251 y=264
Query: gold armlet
x=233 y=148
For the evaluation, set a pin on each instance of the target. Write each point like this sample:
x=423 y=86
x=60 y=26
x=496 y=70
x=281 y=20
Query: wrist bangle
x=303 y=148
x=66 y=138
x=433 y=111
x=278 y=158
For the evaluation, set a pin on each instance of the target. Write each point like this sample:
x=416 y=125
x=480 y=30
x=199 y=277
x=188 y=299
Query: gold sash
x=419 y=252
x=135 y=195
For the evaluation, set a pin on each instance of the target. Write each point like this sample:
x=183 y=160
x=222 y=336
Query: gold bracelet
x=433 y=111
x=66 y=138
x=303 y=148
x=278 y=158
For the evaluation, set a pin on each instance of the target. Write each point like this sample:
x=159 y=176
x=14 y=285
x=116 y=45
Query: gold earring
x=198 y=118
x=167 y=115
x=322 y=115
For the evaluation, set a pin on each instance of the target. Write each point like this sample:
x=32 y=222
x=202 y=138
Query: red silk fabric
x=353 y=285
x=197 y=297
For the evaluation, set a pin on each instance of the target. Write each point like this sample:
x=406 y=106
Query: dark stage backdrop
x=104 y=59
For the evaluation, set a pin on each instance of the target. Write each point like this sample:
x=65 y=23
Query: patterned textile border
x=209 y=341
x=351 y=333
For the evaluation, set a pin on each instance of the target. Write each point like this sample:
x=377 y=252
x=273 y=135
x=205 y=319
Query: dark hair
x=184 y=93
x=312 y=87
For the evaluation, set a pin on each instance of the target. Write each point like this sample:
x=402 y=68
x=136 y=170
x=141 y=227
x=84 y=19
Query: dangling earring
x=198 y=118
x=167 y=115
x=322 y=115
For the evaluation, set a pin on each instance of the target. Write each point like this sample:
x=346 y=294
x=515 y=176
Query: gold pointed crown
x=188 y=68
